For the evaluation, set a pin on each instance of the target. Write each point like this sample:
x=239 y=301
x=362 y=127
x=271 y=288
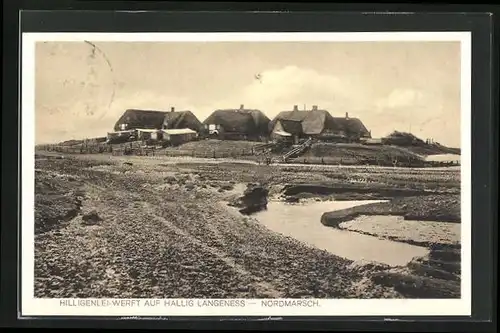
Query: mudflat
x=127 y=227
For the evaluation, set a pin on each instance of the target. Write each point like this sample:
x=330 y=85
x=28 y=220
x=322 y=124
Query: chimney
x=315 y=108
x=172 y=109
x=347 y=115
x=242 y=107
x=295 y=108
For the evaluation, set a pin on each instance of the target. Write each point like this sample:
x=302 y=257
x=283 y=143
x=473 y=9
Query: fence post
x=214 y=153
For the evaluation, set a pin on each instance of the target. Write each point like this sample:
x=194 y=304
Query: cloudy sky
x=81 y=92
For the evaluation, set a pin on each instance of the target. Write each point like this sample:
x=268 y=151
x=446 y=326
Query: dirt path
x=262 y=288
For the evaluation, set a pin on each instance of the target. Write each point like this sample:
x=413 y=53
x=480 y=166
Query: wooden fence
x=137 y=148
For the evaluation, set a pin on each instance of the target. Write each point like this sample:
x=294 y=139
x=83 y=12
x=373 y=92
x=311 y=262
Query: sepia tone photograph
x=247 y=170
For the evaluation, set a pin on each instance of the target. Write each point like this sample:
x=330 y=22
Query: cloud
x=401 y=98
x=427 y=114
x=281 y=89
x=75 y=110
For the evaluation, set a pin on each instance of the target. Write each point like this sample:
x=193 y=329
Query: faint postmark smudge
x=95 y=50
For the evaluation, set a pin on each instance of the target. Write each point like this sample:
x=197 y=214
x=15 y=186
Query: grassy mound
x=352 y=153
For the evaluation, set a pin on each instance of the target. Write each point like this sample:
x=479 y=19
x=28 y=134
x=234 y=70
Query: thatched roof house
x=149 y=119
x=314 y=121
x=237 y=123
x=320 y=123
x=182 y=119
x=353 y=126
x=134 y=119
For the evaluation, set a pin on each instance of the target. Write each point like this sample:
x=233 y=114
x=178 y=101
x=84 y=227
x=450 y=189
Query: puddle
x=302 y=222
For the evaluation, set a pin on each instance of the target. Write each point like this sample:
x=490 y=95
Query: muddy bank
x=435 y=275
x=441 y=208
x=397 y=228
x=351 y=191
x=57 y=200
x=254 y=199
x=416 y=286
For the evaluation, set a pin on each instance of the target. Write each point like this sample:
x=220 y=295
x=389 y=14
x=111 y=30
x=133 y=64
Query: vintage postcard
x=246 y=174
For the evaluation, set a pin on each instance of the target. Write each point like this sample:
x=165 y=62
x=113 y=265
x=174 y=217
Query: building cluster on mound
x=292 y=127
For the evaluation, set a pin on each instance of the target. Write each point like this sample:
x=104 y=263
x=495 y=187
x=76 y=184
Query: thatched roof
x=249 y=121
x=158 y=119
x=291 y=126
x=182 y=119
x=315 y=121
x=134 y=118
x=352 y=125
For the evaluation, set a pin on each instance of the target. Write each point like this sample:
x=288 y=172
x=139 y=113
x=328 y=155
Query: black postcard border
x=484 y=140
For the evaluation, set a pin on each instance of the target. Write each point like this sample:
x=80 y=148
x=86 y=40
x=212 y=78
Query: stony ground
x=141 y=227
